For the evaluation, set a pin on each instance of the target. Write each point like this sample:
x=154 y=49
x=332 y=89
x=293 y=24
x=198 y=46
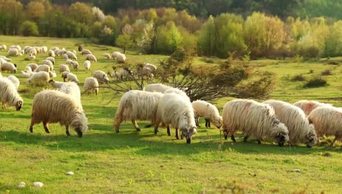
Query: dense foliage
x=265 y=28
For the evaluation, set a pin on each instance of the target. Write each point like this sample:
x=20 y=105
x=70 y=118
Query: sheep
x=91 y=84
x=119 y=57
x=45 y=68
x=136 y=105
x=121 y=74
x=86 y=52
x=9 y=94
x=51 y=53
x=107 y=56
x=91 y=57
x=327 y=121
x=49 y=63
x=71 y=55
x=33 y=66
x=8 y=66
x=3 y=47
x=14 y=52
x=87 y=64
x=39 y=78
x=68 y=76
x=254 y=119
x=30 y=57
x=175 y=111
x=52 y=106
x=64 y=67
x=16 y=47
x=52 y=59
x=309 y=105
x=101 y=76
x=158 y=87
x=70 y=88
x=14 y=80
x=208 y=111
x=300 y=131
x=74 y=64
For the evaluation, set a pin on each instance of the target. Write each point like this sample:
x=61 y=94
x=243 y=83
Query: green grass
x=131 y=162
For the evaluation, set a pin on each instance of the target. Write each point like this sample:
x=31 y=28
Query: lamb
x=254 y=119
x=300 y=131
x=9 y=94
x=158 y=87
x=119 y=57
x=39 y=78
x=8 y=66
x=91 y=57
x=309 y=105
x=63 y=68
x=327 y=121
x=208 y=111
x=51 y=106
x=68 y=76
x=87 y=64
x=101 y=76
x=14 y=80
x=175 y=111
x=91 y=85
x=136 y=105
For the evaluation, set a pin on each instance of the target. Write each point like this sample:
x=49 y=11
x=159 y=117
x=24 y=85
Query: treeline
x=163 y=30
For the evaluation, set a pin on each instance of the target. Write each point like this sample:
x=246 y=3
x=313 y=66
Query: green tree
x=168 y=39
x=29 y=28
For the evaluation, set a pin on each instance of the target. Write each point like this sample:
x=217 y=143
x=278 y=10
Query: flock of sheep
x=276 y=121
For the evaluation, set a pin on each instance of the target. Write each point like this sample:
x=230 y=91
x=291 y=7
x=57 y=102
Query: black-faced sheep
x=52 y=106
x=254 y=119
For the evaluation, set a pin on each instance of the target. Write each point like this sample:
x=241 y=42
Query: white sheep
x=136 y=105
x=33 y=66
x=107 y=56
x=3 y=47
x=91 y=85
x=158 y=87
x=14 y=52
x=70 y=88
x=119 y=57
x=86 y=52
x=14 y=80
x=8 y=66
x=9 y=94
x=52 y=59
x=309 y=105
x=254 y=119
x=87 y=64
x=327 y=121
x=300 y=131
x=91 y=57
x=39 y=78
x=45 y=68
x=49 y=63
x=68 y=76
x=208 y=111
x=121 y=74
x=101 y=76
x=52 y=106
x=51 y=53
x=146 y=70
x=71 y=55
x=74 y=64
x=64 y=67
x=175 y=111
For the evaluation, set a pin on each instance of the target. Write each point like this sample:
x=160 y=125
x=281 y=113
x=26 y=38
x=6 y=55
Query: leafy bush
x=315 y=83
x=29 y=28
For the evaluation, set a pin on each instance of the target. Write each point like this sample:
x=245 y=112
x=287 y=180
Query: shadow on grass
x=146 y=143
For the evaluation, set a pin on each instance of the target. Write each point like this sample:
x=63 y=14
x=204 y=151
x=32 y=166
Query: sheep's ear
x=15 y=65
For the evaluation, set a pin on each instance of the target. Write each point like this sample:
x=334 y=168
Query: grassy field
x=131 y=162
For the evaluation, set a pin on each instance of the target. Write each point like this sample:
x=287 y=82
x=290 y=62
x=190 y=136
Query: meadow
x=131 y=162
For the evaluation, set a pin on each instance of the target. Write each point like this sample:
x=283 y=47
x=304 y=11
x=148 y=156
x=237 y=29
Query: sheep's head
x=80 y=123
x=311 y=137
x=281 y=133
x=105 y=78
x=218 y=122
x=187 y=133
x=19 y=104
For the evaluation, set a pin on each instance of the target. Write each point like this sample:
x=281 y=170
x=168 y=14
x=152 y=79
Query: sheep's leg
x=197 y=121
x=258 y=140
x=232 y=137
x=96 y=91
x=156 y=125
x=177 y=136
x=136 y=126
x=168 y=130
x=245 y=138
x=46 y=127
x=207 y=123
x=67 y=130
x=31 y=126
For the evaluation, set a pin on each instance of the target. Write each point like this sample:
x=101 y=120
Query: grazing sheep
x=71 y=55
x=91 y=57
x=136 y=105
x=30 y=57
x=208 y=111
x=49 y=63
x=3 y=47
x=51 y=106
x=254 y=119
x=64 y=67
x=327 y=121
x=157 y=87
x=101 y=76
x=86 y=52
x=9 y=94
x=300 y=131
x=33 y=66
x=39 y=78
x=87 y=64
x=51 y=53
x=52 y=59
x=70 y=88
x=309 y=105
x=122 y=74
x=45 y=68
x=107 y=56
x=74 y=64
x=8 y=66
x=14 y=80
x=146 y=70
x=175 y=111
x=119 y=57
x=13 y=52
x=68 y=76
x=91 y=85
x=65 y=57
